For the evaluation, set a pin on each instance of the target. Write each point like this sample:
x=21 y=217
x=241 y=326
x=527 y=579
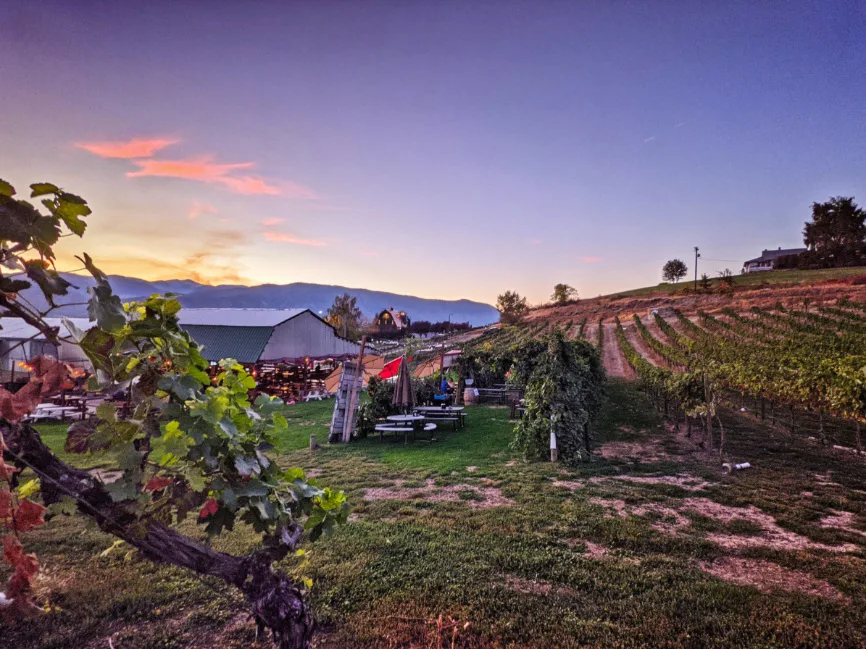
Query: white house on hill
x=767 y=260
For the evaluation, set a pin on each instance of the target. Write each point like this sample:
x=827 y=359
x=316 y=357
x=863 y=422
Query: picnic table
x=51 y=411
x=454 y=414
x=496 y=395
x=402 y=419
x=405 y=424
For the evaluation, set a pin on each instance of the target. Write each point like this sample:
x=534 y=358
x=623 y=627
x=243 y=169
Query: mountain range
x=316 y=297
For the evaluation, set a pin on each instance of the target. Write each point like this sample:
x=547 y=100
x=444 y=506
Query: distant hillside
x=317 y=297
x=765 y=290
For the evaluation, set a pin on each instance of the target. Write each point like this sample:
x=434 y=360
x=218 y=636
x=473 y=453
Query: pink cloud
x=136 y=148
x=271 y=221
x=198 y=209
x=250 y=185
x=534 y=242
x=591 y=260
x=369 y=253
x=204 y=169
x=288 y=238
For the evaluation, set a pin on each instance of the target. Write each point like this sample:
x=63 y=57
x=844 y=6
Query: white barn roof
x=238 y=317
x=17 y=329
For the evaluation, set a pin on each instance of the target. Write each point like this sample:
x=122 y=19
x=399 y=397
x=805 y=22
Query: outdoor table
x=491 y=394
x=397 y=428
x=411 y=420
x=405 y=418
x=438 y=408
x=453 y=413
x=50 y=411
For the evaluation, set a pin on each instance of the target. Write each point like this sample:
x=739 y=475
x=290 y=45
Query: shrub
x=378 y=407
x=426 y=389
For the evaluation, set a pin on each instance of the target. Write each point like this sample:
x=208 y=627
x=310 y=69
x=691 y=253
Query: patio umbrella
x=428 y=368
x=392 y=367
x=372 y=366
x=404 y=394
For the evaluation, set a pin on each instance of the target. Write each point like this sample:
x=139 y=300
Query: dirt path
x=656 y=331
x=573 y=331
x=612 y=357
x=632 y=335
x=590 y=333
x=674 y=322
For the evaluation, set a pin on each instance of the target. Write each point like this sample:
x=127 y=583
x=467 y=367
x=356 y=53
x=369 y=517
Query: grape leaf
x=157 y=483
x=65 y=505
x=40 y=189
x=210 y=508
x=28 y=516
x=28 y=488
x=6 y=470
x=5 y=503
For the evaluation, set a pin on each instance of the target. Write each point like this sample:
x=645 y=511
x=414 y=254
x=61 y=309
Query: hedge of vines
x=562 y=379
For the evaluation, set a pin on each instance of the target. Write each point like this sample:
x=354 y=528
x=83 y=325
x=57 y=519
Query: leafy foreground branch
x=189 y=444
x=274 y=598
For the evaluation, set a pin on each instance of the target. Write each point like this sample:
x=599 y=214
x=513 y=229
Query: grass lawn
x=755 y=280
x=648 y=545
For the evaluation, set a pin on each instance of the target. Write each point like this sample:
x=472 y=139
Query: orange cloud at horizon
x=135 y=148
x=288 y=238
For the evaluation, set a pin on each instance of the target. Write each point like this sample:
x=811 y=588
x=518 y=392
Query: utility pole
x=697 y=254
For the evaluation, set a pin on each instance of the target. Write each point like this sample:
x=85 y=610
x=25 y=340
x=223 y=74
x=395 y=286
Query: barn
x=21 y=342
x=290 y=351
x=258 y=335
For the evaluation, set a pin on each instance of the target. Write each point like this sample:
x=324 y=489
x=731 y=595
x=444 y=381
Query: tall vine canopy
x=564 y=383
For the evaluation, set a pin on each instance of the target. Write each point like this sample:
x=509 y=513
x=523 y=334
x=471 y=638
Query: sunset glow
x=241 y=144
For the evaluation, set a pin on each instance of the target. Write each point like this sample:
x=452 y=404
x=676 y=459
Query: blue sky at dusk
x=443 y=149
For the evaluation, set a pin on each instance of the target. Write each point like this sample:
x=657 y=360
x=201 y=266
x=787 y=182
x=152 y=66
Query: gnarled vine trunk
x=274 y=599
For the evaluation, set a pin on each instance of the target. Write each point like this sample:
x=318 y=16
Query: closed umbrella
x=404 y=395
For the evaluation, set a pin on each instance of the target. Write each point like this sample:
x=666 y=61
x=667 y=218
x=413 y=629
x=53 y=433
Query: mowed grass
x=552 y=567
x=753 y=280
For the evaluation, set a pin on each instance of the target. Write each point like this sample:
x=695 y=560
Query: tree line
x=346 y=318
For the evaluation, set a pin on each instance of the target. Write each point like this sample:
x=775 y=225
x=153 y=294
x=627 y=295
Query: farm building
x=290 y=351
x=21 y=342
x=392 y=320
x=767 y=260
x=254 y=335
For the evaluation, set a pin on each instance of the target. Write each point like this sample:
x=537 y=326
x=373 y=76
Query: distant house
x=767 y=260
x=391 y=320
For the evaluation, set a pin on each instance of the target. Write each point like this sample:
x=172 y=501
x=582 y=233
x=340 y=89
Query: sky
x=444 y=148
